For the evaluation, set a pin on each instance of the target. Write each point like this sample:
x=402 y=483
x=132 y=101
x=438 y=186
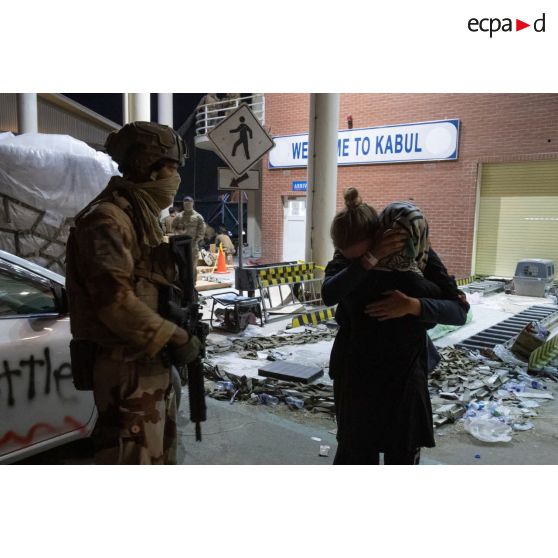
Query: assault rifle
x=181 y=307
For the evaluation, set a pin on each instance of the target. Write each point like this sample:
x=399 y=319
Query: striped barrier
x=316 y=266
x=544 y=355
x=314 y=318
x=286 y=270
x=466 y=280
x=285 y=280
x=302 y=287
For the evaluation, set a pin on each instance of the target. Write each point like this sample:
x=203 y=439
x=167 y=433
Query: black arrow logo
x=236 y=181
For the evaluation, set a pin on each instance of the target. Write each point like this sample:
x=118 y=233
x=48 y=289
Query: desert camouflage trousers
x=137 y=412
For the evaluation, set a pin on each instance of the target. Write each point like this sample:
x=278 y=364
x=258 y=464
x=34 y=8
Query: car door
x=38 y=401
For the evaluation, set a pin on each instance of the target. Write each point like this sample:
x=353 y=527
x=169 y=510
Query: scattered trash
x=529 y=404
x=470 y=385
x=531 y=337
x=224 y=386
x=274 y=355
x=297 y=395
x=474 y=298
x=445 y=395
x=253 y=355
x=256 y=342
x=505 y=355
x=523 y=426
x=489 y=391
x=267 y=399
x=324 y=451
x=219 y=345
x=537 y=385
x=316 y=439
x=515 y=386
x=294 y=402
x=535 y=395
x=252 y=331
x=290 y=371
x=488 y=429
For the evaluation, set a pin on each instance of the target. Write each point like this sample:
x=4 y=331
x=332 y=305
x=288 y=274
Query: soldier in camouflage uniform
x=168 y=221
x=190 y=222
x=116 y=261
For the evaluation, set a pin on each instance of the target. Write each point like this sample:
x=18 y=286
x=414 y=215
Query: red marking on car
x=28 y=438
x=11 y=436
x=71 y=421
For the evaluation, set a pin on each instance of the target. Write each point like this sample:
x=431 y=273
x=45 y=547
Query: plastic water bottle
x=224 y=386
x=267 y=399
x=537 y=385
x=294 y=402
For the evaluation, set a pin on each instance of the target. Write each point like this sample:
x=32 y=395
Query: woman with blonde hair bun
x=390 y=287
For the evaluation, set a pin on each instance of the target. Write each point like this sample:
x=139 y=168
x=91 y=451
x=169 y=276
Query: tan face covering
x=162 y=190
x=148 y=199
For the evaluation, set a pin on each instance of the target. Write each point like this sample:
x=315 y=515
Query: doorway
x=294 y=228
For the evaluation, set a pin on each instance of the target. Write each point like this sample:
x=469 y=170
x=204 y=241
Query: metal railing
x=210 y=115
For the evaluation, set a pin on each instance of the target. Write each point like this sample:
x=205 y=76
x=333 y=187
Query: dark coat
x=380 y=369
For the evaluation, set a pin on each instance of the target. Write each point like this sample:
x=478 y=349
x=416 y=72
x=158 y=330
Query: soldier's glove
x=187 y=353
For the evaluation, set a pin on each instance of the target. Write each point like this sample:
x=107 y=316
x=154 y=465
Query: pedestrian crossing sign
x=240 y=140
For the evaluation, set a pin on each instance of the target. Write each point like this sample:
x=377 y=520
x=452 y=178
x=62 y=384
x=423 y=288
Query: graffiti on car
x=32 y=368
x=26 y=439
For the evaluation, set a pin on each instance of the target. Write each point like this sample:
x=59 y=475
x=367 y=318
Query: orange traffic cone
x=221 y=261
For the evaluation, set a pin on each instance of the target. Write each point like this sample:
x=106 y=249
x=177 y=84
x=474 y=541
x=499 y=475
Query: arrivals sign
x=402 y=143
x=300 y=185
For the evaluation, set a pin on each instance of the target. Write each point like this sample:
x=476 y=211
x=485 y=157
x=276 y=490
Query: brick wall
x=494 y=127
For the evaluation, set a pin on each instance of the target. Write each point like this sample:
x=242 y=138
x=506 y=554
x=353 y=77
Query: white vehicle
x=39 y=406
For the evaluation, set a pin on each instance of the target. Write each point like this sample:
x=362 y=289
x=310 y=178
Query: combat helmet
x=140 y=145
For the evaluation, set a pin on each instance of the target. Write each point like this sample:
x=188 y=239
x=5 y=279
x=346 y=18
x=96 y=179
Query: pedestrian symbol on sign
x=243 y=130
x=241 y=141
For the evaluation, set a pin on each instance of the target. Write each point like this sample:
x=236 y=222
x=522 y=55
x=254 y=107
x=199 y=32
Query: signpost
x=241 y=141
x=226 y=180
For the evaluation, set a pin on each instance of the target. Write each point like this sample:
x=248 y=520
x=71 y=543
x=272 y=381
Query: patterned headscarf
x=409 y=217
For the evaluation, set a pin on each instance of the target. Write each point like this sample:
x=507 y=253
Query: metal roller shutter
x=518 y=215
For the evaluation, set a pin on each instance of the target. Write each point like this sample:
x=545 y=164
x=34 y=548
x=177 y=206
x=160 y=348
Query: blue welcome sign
x=401 y=143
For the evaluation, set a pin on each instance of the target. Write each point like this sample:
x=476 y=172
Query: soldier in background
x=208 y=236
x=168 y=221
x=116 y=262
x=190 y=222
x=224 y=239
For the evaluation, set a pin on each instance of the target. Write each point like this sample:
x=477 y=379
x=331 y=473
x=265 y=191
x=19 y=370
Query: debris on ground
x=316 y=398
x=324 y=451
x=249 y=347
x=494 y=398
x=274 y=355
x=291 y=371
x=490 y=392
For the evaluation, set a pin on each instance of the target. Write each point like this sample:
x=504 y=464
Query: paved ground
x=245 y=434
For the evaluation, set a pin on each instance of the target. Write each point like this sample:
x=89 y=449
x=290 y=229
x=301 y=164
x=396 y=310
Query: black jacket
x=380 y=368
